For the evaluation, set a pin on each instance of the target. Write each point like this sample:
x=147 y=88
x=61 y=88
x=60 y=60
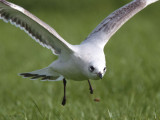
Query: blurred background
x=129 y=90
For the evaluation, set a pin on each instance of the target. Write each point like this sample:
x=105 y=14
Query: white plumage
x=77 y=62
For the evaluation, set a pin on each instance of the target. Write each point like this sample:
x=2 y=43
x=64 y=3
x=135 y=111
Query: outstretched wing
x=37 y=29
x=102 y=33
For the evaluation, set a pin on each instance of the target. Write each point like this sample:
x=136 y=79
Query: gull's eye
x=91 y=68
x=104 y=69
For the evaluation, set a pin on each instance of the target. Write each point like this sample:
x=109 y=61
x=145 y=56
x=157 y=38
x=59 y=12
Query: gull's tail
x=45 y=74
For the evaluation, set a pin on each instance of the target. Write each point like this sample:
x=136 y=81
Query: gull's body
x=77 y=62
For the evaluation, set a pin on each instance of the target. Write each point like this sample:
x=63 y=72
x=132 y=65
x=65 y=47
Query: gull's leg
x=90 y=87
x=64 y=97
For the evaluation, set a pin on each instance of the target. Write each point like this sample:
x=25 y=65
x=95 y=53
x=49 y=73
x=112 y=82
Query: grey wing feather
x=102 y=33
x=37 y=29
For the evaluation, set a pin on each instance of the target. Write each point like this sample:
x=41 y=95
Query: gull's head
x=91 y=62
x=95 y=66
x=96 y=70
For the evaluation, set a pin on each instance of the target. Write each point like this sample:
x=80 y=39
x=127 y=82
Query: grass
x=130 y=89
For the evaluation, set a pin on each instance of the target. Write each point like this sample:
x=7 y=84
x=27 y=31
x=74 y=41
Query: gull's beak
x=100 y=75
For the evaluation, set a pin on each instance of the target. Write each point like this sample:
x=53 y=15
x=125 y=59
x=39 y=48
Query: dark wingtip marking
x=46 y=77
x=35 y=76
x=28 y=75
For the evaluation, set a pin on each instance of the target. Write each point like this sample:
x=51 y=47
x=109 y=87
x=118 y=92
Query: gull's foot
x=64 y=101
x=91 y=90
x=64 y=97
x=90 y=87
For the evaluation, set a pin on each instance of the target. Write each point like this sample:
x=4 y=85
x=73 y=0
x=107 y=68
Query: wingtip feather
x=150 y=1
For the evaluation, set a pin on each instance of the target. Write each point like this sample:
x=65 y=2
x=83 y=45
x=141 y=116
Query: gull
x=75 y=62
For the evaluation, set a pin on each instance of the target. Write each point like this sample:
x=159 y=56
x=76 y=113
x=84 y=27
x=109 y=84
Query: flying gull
x=75 y=62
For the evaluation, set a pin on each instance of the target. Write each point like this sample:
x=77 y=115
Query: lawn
x=129 y=90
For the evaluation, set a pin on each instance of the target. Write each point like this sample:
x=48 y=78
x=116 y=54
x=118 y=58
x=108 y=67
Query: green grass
x=130 y=89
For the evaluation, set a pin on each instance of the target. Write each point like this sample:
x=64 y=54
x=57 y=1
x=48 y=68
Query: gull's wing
x=37 y=29
x=102 y=33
